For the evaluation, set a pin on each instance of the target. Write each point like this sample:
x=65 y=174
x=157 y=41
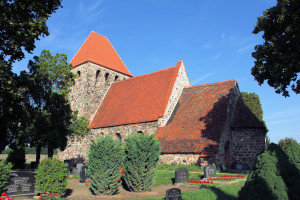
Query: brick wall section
x=91 y=87
x=77 y=148
x=247 y=144
x=182 y=81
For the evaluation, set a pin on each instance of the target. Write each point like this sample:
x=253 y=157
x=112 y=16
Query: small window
x=78 y=72
x=97 y=73
x=140 y=132
x=116 y=78
x=106 y=76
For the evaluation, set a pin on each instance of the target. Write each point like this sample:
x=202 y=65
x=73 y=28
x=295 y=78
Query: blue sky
x=213 y=38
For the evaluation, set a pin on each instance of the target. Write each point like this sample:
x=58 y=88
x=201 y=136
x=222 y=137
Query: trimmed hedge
x=5 y=169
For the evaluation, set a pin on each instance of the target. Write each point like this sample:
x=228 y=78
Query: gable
x=198 y=119
x=138 y=99
x=97 y=49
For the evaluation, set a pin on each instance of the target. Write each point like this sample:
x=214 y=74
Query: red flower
x=3 y=194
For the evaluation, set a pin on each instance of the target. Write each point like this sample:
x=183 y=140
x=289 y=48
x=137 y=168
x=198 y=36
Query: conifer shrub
x=5 y=169
x=292 y=149
x=142 y=156
x=52 y=177
x=272 y=177
x=16 y=156
x=106 y=156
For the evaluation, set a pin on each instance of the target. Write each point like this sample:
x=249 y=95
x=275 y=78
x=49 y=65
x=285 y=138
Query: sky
x=213 y=38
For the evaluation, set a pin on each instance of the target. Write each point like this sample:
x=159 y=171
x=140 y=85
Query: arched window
x=106 y=76
x=97 y=73
x=78 y=72
x=116 y=77
x=118 y=137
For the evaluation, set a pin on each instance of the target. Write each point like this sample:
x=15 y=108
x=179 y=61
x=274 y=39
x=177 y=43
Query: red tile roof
x=98 y=49
x=198 y=119
x=138 y=99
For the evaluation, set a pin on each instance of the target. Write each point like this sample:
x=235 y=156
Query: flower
x=3 y=194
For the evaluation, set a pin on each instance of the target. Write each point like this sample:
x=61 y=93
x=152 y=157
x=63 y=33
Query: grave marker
x=21 y=184
x=210 y=171
x=181 y=175
x=83 y=174
x=173 y=194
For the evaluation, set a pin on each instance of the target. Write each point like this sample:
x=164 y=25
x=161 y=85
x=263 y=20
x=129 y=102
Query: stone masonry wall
x=226 y=136
x=186 y=159
x=77 y=148
x=91 y=85
x=247 y=145
x=181 y=81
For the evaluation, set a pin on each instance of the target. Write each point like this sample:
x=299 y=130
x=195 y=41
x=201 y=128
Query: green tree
x=292 y=149
x=104 y=166
x=48 y=83
x=80 y=125
x=252 y=101
x=277 y=60
x=142 y=156
x=22 y=23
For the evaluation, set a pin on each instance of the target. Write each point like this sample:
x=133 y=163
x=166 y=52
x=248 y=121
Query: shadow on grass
x=222 y=195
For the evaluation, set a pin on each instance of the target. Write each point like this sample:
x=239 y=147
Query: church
x=202 y=124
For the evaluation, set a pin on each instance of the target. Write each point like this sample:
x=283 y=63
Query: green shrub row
x=106 y=155
x=31 y=150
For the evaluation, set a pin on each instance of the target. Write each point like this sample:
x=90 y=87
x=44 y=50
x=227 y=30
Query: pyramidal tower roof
x=97 y=49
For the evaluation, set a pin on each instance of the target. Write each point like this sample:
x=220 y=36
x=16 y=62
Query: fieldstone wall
x=77 y=148
x=91 y=86
x=181 y=81
x=247 y=144
x=186 y=159
x=226 y=137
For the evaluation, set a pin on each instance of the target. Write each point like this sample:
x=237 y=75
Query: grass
x=215 y=192
x=193 y=168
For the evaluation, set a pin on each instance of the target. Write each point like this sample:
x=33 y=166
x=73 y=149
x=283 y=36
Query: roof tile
x=98 y=49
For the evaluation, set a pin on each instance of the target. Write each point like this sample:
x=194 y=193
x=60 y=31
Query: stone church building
x=199 y=124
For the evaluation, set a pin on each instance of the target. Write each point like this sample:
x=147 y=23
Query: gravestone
x=32 y=165
x=21 y=184
x=70 y=165
x=210 y=171
x=181 y=175
x=78 y=167
x=173 y=194
x=83 y=174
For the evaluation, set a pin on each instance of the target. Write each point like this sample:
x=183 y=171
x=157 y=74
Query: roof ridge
x=231 y=80
x=169 y=68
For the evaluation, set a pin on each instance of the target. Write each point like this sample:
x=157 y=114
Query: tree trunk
x=38 y=156
x=50 y=152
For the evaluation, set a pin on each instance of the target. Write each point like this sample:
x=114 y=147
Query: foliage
x=142 y=156
x=22 y=22
x=104 y=166
x=252 y=101
x=17 y=157
x=5 y=169
x=49 y=196
x=31 y=150
x=274 y=177
x=48 y=83
x=80 y=126
x=268 y=142
x=52 y=176
x=292 y=149
x=278 y=58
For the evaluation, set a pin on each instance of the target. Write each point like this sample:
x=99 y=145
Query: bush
x=292 y=150
x=17 y=157
x=274 y=177
x=142 y=156
x=52 y=176
x=104 y=166
x=5 y=169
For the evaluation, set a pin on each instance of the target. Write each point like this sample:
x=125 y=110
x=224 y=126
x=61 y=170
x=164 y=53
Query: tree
x=22 y=23
x=142 y=156
x=252 y=101
x=278 y=58
x=292 y=149
x=48 y=83
x=104 y=166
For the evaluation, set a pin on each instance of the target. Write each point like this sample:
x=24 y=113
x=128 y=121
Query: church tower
x=97 y=65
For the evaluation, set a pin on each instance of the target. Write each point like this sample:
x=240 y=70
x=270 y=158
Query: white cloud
x=201 y=78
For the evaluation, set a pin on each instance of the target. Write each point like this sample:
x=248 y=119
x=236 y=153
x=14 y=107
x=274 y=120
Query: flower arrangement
x=201 y=181
x=235 y=176
x=219 y=179
x=88 y=182
x=49 y=196
x=5 y=196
